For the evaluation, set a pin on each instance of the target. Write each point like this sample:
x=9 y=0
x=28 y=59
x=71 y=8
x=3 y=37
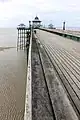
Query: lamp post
x=64 y=25
x=29 y=24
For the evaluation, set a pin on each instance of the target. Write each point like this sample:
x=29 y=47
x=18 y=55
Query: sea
x=13 y=69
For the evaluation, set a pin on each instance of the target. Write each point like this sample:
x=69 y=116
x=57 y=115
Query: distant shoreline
x=4 y=48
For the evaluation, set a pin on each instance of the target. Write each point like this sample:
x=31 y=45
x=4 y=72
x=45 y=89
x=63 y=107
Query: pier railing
x=28 y=98
x=63 y=34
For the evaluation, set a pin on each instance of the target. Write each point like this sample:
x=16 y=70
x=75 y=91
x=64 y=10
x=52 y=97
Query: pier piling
x=23 y=37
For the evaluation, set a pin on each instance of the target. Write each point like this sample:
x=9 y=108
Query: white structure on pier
x=21 y=25
x=36 y=22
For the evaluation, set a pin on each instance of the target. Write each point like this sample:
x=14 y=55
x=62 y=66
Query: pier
x=53 y=74
x=23 y=37
x=53 y=85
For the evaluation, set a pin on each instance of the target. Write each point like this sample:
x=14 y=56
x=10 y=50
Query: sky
x=14 y=12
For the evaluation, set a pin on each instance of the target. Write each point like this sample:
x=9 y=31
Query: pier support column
x=18 y=40
x=23 y=38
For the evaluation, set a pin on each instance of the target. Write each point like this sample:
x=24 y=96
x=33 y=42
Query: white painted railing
x=28 y=98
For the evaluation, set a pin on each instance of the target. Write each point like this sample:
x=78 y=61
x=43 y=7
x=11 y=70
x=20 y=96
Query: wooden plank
x=62 y=107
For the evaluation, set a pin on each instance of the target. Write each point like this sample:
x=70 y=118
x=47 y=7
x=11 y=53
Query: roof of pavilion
x=22 y=25
x=36 y=19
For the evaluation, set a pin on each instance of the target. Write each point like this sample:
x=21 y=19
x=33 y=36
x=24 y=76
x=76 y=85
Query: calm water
x=12 y=77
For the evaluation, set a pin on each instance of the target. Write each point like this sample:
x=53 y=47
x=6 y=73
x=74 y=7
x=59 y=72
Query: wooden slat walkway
x=65 y=57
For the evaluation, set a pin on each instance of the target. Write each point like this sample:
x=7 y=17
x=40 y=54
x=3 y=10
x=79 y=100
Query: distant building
x=21 y=25
x=50 y=26
x=36 y=22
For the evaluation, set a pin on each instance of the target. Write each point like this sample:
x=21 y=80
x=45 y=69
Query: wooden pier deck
x=55 y=77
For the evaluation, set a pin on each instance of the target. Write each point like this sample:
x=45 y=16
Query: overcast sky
x=13 y=12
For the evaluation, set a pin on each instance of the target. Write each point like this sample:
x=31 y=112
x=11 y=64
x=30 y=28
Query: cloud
x=3 y=1
x=12 y=12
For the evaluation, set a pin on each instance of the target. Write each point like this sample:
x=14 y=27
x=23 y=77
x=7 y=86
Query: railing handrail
x=28 y=98
x=60 y=32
